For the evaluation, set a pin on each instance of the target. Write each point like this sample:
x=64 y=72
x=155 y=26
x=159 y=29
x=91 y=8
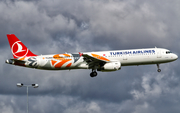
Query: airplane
x=105 y=61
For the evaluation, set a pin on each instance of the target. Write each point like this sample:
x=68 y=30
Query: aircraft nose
x=175 y=57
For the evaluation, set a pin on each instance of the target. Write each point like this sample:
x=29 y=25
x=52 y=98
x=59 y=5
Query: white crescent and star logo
x=18 y=50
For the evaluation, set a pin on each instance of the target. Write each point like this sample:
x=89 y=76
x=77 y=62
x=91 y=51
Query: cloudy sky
x=58 y=26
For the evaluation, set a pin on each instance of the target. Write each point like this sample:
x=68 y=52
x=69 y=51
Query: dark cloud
x=59 y=26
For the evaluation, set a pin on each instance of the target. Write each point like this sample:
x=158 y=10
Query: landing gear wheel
x=93 y=74
x=159 y=70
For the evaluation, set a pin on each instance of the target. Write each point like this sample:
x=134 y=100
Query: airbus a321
x=105 y=61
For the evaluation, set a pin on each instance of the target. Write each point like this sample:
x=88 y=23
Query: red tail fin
x=18 y=48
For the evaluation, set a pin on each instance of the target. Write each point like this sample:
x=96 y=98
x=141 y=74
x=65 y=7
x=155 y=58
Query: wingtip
x=80 y=54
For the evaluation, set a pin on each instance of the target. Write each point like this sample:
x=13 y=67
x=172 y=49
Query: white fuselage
x=75 y=61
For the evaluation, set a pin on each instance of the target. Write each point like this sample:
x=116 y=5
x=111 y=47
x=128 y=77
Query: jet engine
x=110 y=66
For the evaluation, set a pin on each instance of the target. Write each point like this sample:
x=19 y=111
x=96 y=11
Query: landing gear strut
x=159 y=70
x=93 y=73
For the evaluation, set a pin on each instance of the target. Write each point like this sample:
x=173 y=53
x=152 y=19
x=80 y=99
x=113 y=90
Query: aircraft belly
x=143 y=61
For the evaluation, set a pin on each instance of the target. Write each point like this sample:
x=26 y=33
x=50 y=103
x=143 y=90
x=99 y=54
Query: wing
x=94 y=61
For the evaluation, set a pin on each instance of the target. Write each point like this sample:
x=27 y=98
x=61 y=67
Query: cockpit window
x=168 y=52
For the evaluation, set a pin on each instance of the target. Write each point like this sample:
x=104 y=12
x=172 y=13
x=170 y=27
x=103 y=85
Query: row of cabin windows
x=133 y=54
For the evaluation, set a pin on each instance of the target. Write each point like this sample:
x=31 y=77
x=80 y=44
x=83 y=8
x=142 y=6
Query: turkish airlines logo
x=18 y=49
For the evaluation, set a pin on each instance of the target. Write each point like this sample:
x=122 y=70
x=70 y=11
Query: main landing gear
x=159 y=70
x=93 y=73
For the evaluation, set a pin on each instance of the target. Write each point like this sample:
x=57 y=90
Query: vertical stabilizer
x=18 y=48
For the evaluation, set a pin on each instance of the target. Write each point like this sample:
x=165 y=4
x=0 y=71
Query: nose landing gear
x=159 y=70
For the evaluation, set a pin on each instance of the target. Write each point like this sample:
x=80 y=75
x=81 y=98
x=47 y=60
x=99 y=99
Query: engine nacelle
x=111 y=66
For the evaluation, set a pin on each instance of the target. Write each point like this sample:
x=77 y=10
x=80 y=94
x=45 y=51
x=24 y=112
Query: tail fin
x=18 y=48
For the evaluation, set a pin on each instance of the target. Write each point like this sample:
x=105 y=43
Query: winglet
x=80 y=54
